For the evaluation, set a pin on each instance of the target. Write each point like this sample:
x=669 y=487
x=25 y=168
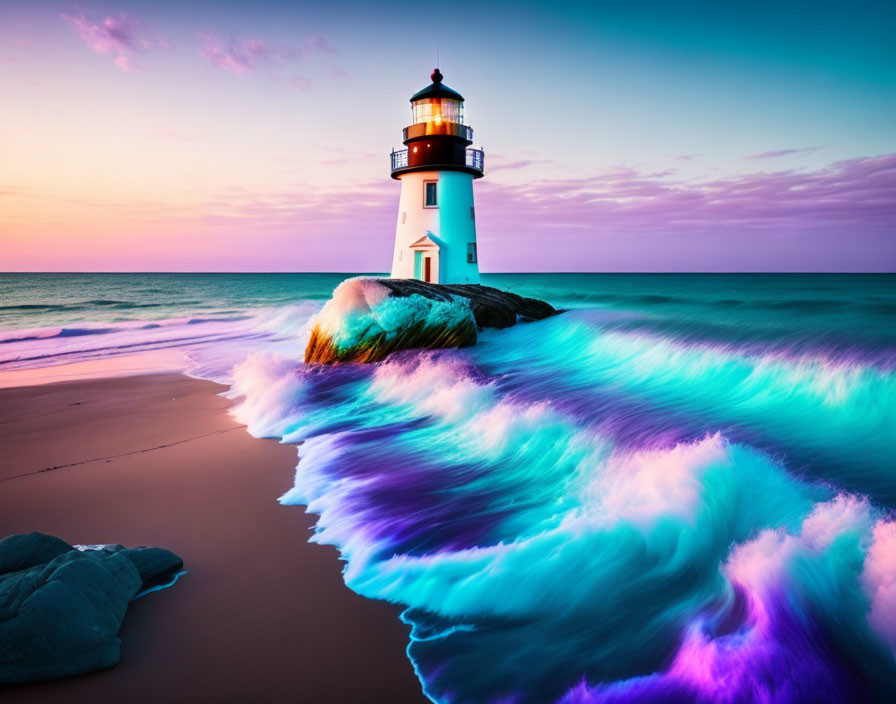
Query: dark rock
x=61 y=608
x=20 y=551
x=492 y=307
x=154 y=565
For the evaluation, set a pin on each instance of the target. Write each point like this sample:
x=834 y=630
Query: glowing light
x=415 y=150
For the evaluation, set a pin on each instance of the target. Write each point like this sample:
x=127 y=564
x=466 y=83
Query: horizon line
x=488 y=273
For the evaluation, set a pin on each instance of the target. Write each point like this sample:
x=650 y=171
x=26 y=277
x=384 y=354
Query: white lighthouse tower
x=435 y=239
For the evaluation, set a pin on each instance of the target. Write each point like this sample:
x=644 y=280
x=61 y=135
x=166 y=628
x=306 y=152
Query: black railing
x=475 y=159
x=399 y=159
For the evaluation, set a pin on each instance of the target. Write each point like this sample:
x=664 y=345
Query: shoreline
x=155 y=459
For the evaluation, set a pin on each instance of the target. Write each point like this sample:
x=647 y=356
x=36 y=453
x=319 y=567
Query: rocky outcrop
x=61 y=608
x=492 y=307
x=367 y=319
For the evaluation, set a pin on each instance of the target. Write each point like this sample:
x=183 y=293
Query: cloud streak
x=121 y=36
x=776 y=153
x=853 y=196
x=837 y=218
x=841 y=216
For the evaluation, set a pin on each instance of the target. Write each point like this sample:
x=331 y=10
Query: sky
x=232 y=136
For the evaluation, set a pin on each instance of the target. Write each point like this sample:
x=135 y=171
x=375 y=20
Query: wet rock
x=61 y=608
x=492 y=307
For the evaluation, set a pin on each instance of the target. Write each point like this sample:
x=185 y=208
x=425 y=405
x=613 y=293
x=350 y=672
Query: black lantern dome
x=437 y=138
x=437 y=89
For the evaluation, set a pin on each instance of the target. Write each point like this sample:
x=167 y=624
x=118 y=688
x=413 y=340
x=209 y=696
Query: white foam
x=879 y=578
x=362 y=307
x=642 y=486
x=830 y=519
x=270 y=387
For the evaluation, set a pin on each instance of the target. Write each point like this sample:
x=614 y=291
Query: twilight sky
x=232 y=136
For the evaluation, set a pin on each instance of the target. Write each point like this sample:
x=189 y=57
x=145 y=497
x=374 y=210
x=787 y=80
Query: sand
x=262 y=615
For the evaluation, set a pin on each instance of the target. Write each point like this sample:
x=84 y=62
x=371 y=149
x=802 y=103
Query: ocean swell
x=580 y=514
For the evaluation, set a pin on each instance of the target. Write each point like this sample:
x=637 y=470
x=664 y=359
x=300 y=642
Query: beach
x=261 y=613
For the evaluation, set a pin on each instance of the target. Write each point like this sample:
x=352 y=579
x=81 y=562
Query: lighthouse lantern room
x=435 y=239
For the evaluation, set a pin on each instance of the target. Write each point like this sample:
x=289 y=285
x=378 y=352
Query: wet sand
x=262 y=615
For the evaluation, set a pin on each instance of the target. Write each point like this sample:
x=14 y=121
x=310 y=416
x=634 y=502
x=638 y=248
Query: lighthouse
x=435 y=238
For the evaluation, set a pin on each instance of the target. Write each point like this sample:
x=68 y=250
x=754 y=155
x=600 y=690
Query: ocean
x=680 y=489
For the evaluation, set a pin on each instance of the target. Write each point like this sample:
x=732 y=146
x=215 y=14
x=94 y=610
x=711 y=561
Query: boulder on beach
x=61 y=607
x=367 y=319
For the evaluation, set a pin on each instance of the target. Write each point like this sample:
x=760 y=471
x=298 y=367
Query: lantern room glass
x=437 y=110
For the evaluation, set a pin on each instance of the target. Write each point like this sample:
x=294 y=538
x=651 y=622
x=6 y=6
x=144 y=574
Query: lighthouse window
x=437 y=110
x=471 y=253
x=429 y=194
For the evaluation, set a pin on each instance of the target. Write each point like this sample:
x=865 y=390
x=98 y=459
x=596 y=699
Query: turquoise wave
x=585 y=509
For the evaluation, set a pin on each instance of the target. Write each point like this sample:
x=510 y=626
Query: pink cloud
x=242 y=56
x=258 y=48
x=121 y=36
x=232 y=55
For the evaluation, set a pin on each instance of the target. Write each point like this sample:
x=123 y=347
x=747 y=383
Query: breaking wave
x=576 y=512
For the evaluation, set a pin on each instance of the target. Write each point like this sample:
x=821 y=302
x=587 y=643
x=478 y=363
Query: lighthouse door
x=426 y=259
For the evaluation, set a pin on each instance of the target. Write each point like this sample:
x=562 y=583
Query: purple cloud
x=320 y=44
x=121 y=35
x=839 y=218
x=233 y=55
x=242 y=56
x=774 y=154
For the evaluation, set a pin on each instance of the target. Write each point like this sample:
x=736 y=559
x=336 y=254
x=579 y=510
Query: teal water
x=837 y=309
x=43 y=300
